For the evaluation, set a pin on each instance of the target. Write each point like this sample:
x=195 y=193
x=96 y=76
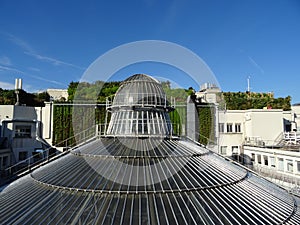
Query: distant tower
x=18 y=87
x=248 y=82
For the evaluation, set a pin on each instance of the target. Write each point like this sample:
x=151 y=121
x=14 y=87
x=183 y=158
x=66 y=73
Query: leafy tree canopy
x=8 y=97
x=85 y=91
x=245 y=100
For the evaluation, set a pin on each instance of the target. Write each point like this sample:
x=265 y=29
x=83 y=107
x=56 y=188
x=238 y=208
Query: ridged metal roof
x=107 y=182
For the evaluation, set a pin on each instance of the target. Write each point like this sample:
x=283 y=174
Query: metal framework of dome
x=149 y=180
x=140 y=108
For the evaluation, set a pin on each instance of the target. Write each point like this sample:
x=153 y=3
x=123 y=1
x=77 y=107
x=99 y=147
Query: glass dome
x=140 y=108
x=140 y=90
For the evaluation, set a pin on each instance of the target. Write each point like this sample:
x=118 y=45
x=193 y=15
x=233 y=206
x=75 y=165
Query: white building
x=253 y=126
x=58 y=94
x=268 y=139
x=208 y=93
x=24 y=132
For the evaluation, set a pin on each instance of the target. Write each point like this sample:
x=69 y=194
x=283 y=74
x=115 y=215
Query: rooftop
x=133 y=179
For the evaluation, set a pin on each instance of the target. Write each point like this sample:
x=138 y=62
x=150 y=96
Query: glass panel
x=298 y=166
x=23 y=131
x=221 y=127
x=272 y=161
x=223 y=150
x=290 y=165
x=259 y=159
x=280 y=164
x=161 y=211
x=237 y=127
x=128 y=210
x=229 y=127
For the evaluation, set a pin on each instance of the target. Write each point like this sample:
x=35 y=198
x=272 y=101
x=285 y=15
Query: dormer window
x=23 y=131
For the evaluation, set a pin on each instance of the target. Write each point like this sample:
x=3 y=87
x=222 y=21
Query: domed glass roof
x=140 y=108
x=140 y=90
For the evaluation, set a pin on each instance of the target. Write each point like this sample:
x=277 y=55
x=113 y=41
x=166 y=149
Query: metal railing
x=285 y=141
x=140 y=99
x=288 y=182
x=292 y=137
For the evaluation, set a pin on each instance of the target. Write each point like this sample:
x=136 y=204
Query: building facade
x=266 y=139
x=58 y=94
x=254 y=126
x=25 y=132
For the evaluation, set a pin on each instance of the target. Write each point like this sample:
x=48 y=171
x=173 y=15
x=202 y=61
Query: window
x=288 y=127
x=223 y=150
x=5 y=161
x=298 y=166
x=272 y=161
x=23 y=131
x=252 y=157
x=237 y=128
x=235 y=152
x=235 y=149
x=266 y=161
x=22 y=156
x=280 y=164
x=289 y=166
x=221 y=127
x=258 y=159
x=229 y=127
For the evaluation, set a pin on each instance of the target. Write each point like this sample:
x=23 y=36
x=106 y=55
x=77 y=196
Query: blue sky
x=51 y=43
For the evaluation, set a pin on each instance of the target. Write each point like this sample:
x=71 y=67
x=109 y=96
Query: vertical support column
x=192 y=120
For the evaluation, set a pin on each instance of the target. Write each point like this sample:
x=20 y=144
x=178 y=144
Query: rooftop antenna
x=248 y=82
x=18 y=87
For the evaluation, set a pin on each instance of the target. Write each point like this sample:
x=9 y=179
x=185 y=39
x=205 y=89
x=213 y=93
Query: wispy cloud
x=10 y=69
x=29 y=50
x=47 y=80
x=53 y=61
x=6 y=68
x=256 y=65
x=5 y=61
x=19 y=42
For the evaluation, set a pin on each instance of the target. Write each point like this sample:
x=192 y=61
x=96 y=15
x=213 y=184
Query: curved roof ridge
x=140 y=77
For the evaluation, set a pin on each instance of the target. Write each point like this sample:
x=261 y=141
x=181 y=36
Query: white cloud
x=5 y=61
x=53 y=61
x=5 y=85
x=256 y=65
x=29 y=50
x=6 y=68
x=44 y=79
x=21 y=43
